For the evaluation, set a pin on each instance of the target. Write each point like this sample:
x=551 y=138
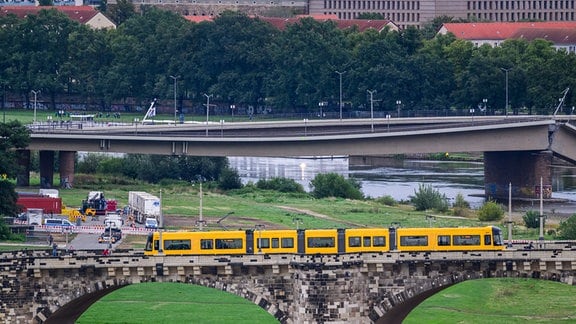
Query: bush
x=567 y=229
x=429 y=198
x=490 y=211
x=280 y=184
x=335 y=185
x=532 y=219
x=460 y=202
x=387 y=200
x=460 y=207
x=229 y=179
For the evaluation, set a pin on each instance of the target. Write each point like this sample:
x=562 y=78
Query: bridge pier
x=23 y=176
x=67 y=168
x=46 y=169
x=522 y=169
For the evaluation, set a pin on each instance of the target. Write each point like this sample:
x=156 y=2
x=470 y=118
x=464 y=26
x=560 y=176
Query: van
x=58 y=222
x=151 y=223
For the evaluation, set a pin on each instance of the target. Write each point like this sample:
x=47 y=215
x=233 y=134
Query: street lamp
x=340 y=73
x=485 y=101
x=175 y=78
x=398 y=103
x=371 y=92
x=506 y=105
x=207 y=111
x=232 y=107
x=35 y=92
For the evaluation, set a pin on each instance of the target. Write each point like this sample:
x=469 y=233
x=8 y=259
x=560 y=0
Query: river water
x=400 y=181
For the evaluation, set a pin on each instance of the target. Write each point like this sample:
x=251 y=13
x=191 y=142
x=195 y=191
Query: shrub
x=429 y=198
x=387 y=200
x=490 y=211
x=229 y=179
x=532 y=219
x=335 y=185
x=460 y=202
x=280 y=184
x=567 y=228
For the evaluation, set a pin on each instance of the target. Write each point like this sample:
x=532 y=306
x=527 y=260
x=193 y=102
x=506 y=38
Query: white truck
x=143 y=205
x=35 y=216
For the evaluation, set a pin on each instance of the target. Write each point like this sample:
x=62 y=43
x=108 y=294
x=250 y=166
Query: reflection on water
x=399 y=181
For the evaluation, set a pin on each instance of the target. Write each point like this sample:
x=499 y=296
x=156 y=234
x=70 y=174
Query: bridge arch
x=293 y=288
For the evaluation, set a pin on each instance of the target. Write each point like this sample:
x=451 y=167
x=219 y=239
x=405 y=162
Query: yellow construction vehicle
x=73 y=214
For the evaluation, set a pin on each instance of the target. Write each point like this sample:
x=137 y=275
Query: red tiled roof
x=501 y=30
x=81 y=14
x=362 y=25
x=555 y=35
x=198 y=19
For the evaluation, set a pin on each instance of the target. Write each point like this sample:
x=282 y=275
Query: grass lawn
x=499 y=301
x=173 y=303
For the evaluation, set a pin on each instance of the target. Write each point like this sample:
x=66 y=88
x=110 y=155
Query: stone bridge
x=360 y=288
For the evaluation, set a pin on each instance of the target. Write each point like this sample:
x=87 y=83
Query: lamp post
x=35 y=92
x=398 y=103
x=485 y=101
x=371 y=92
x=175 y=78
x=207 y=111
x=232 y=107
x=340 y=74
x=506 y=72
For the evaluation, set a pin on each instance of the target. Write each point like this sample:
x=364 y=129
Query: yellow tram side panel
x=433 y=235
x=328 y=239
x=367 y=240
x=276 y=241
x=190 y=243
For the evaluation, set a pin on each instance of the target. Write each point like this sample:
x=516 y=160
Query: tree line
x=243 y=62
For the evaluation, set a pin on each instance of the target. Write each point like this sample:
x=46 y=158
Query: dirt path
x=318 y=215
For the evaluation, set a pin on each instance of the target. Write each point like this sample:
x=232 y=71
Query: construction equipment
x=73 y=214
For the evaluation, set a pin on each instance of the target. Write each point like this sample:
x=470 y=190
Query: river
x=399 y=181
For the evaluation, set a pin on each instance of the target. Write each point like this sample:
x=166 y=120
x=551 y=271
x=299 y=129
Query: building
x=83 y=14
x=561 y=34
x=281 y=23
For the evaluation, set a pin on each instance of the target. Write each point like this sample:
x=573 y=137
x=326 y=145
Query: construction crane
x=561 y=103
x=151 y=111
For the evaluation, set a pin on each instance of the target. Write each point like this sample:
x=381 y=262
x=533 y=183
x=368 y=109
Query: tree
x=490 y=211
x=429 y=198
x=567 y=229
x=532 y=219
x=334 y=185
x=13 y=135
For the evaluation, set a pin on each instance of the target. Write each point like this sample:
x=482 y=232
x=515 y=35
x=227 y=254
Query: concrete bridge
x=517 y=150
x=355 y=288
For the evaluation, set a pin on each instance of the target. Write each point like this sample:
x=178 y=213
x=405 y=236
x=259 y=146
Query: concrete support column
x=23 y=176
x=523 y=169
x=46 y=169
x=67 y=168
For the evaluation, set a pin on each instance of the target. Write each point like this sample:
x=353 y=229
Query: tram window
x=414 y=240
x=177 y=245
x=321 y=242
x=367 y=241
x=287 y=242
x=275 y=243
x=224 y=244
x=379 y=241
x=206 y=244
x=444 y=240
x=263 y=243
x=487 y=240
x=354 y=241
x=466 y=239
